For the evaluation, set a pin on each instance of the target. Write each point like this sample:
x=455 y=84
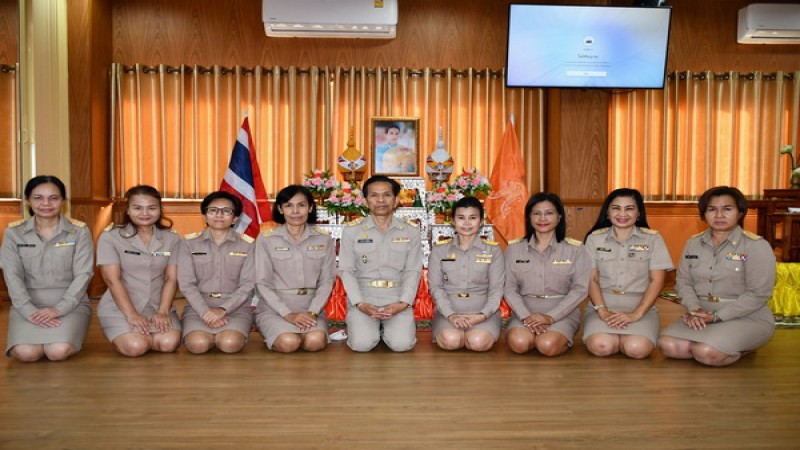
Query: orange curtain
x=174 y=127
x=9 y=138
x=705 y=129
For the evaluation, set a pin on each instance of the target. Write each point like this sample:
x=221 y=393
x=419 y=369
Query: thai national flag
x=243 y=179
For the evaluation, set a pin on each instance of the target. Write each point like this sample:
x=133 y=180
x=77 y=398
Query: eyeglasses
x=41 y=198
x=214 y=211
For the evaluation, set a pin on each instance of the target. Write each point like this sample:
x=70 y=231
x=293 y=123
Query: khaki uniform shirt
x=207 y=268
x=34 y=267
x=479 y=271
x=625 y=266
x=283 y=264
x=563 y=268
x=742 y=268
x=142 y=267
x=366 y=254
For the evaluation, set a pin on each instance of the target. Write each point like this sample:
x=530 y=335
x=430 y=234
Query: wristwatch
x=598 y=307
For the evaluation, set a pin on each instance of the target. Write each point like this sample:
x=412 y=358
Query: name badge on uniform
x=736 y=256
x=401 y=239
x=690 y=256
x=237 y=253
x=364 y=241
x=199 y=253
x=162 y=253
x=131 y=252
x=281 y=249
x=316 y=248
x=638 y=248
x=483 y=258
x=450 y=257
x=561 y=262
x=603 y=249
x=64 y=244
x=522 y=261
x=26 y=245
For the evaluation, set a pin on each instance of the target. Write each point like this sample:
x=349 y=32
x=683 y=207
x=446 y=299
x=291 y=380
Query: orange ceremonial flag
x=505 y=207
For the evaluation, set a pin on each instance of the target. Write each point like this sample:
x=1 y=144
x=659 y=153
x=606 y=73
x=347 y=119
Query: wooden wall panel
x=9 y=31
x=467 y=33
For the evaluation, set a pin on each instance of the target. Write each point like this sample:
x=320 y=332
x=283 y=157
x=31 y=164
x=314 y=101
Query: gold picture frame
x=395 y=146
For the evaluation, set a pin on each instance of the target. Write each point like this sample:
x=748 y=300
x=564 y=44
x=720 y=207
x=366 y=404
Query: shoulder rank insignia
x=76 y=222
x=355 y=222
x=266 y=233
x=16 y=223
x=109 y=227
x=172 y=231
x=444 y=241
x=488 y=242
x=411 y=222
x=192 y=235
x=574 y=242
x=698 y=234
x=648 y=230
x=752 y=236
x=514 y=241
x=321 y=230
x=600 y=230
x=247 y=238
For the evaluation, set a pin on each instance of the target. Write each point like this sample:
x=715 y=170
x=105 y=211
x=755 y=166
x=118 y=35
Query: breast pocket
x=202 y=265
x=398 y=252
x=31 y=258
x=733 y=266
x=562 y=268
x=233 y=266
x=366 y=255
x=640 y=261
x=63 y=255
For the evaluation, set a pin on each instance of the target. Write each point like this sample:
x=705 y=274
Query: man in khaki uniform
x=380 y=263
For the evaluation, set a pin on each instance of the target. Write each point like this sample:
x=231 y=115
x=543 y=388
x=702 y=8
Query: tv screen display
x=587 y=46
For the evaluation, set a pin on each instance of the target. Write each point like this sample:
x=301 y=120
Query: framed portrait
x=395 y=146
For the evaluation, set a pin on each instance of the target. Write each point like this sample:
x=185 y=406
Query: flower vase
x=319 y=197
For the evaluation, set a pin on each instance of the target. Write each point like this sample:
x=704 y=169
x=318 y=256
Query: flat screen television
x=571 y=46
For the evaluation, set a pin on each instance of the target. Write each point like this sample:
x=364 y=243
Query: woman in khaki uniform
x=139 y=263
x=547 y=277
x=629 y=264
x=295 y=271
x=47 y=264
x=216 y=272
x=465 y=277
x=725 y=278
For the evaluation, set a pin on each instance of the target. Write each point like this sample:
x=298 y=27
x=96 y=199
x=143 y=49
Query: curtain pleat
x=174 y=127
x=9 y=137
x=705 y=129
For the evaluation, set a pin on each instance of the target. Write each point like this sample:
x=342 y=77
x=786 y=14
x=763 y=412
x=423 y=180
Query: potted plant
x=472 y=184
x=794 y=170
x=320 y=182
x=346 y=200
x=441 y=200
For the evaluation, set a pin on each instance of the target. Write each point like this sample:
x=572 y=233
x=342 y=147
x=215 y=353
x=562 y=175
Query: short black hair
x=719 y=191
x=39 y=180
x=468 y=202
x=216 y=195
x=378 y=179
x=288 y=193
x=561 y=228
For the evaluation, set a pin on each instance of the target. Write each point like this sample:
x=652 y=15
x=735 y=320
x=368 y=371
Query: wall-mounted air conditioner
x=769 y=23
x=372 y=19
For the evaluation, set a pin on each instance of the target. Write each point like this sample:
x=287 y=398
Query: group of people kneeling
x=725 y=277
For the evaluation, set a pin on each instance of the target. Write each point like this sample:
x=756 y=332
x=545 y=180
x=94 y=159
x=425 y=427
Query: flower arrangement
x=442 y=198
x=347 y=200
x=472 y=184
x=794 y=170
x=320 y=182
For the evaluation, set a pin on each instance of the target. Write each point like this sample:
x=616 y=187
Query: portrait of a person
x=395 y=148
